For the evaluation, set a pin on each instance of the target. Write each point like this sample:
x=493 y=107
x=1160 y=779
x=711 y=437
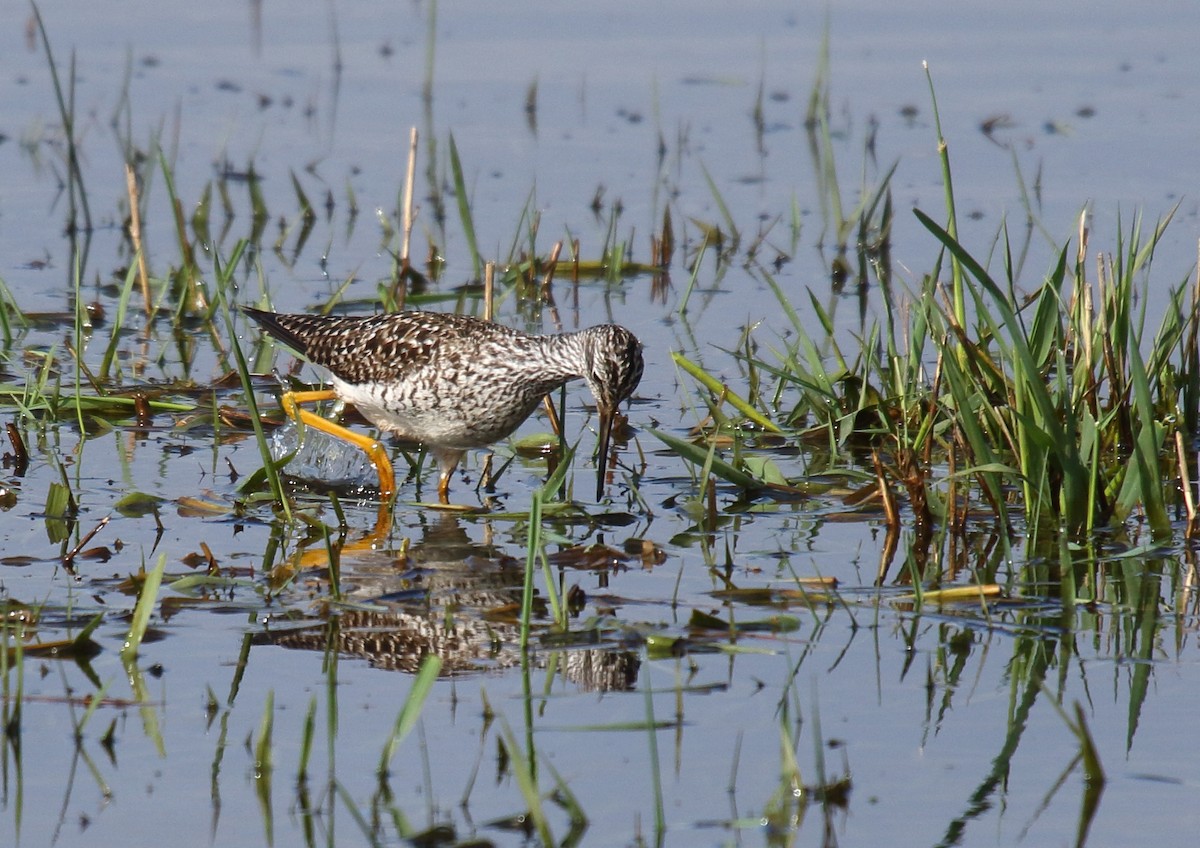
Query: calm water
x=633 y=107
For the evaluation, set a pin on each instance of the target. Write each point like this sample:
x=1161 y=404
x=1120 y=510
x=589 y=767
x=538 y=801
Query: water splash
x=320 y=457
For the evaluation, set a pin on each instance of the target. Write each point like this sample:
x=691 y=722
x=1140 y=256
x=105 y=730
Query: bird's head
x=613 y=359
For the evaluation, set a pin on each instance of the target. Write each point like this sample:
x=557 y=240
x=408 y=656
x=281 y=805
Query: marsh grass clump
x=1057 y=407
x=1060 y=405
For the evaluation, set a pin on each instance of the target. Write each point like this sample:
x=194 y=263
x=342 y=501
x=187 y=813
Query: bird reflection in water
x=446 y=595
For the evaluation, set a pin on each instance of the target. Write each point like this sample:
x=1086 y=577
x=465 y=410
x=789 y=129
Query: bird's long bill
x=606 y=422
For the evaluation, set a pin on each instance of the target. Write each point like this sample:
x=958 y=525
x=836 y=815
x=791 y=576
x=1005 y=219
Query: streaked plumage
x=453 y=382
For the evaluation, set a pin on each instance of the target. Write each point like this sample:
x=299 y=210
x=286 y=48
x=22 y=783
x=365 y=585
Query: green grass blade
x=143 y=609
x=699 y=456
x=422 y=685
x=270 y=467
x=533 y=544
x=723 y=392
x=464 y=209
x=1144 y=482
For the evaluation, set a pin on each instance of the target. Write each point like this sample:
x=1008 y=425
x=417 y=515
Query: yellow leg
x=552 y=414
x=448 y=459
x=290 y=401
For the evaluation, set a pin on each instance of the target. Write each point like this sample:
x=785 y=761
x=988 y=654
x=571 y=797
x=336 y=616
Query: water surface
x=936 y=719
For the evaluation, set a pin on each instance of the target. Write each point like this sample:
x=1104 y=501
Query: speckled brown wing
x=372 y=348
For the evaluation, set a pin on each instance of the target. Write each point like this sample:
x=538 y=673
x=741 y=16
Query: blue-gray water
x=1095 y=109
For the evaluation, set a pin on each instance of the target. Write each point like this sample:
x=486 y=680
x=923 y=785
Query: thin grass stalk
x=551 y=267
x=135 y=235
x=200 y=216
x=723 y=392
x=956 y=271
x=1185 y=485
x=816 y=123
x=407 y=218
x=558 y=610
x=270 y=467
x=489 y=290
x=81 y=318
x=533 y=544
x=464 y=209
x=1191 y=358
x=333 y=552
x=67 y=115
x=868 y=205
x=192 y=300
x=706 y=459
x=831 y=190
x=118 y=324
x=722 y=207
x=531 y=233
x=1144 y=484
x=306 y=208
x=9 y=311
x=143 y=609
x=521 y=249
x=430 y=54
x=1171 y=334
x=687 y=292
x=608 y=247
